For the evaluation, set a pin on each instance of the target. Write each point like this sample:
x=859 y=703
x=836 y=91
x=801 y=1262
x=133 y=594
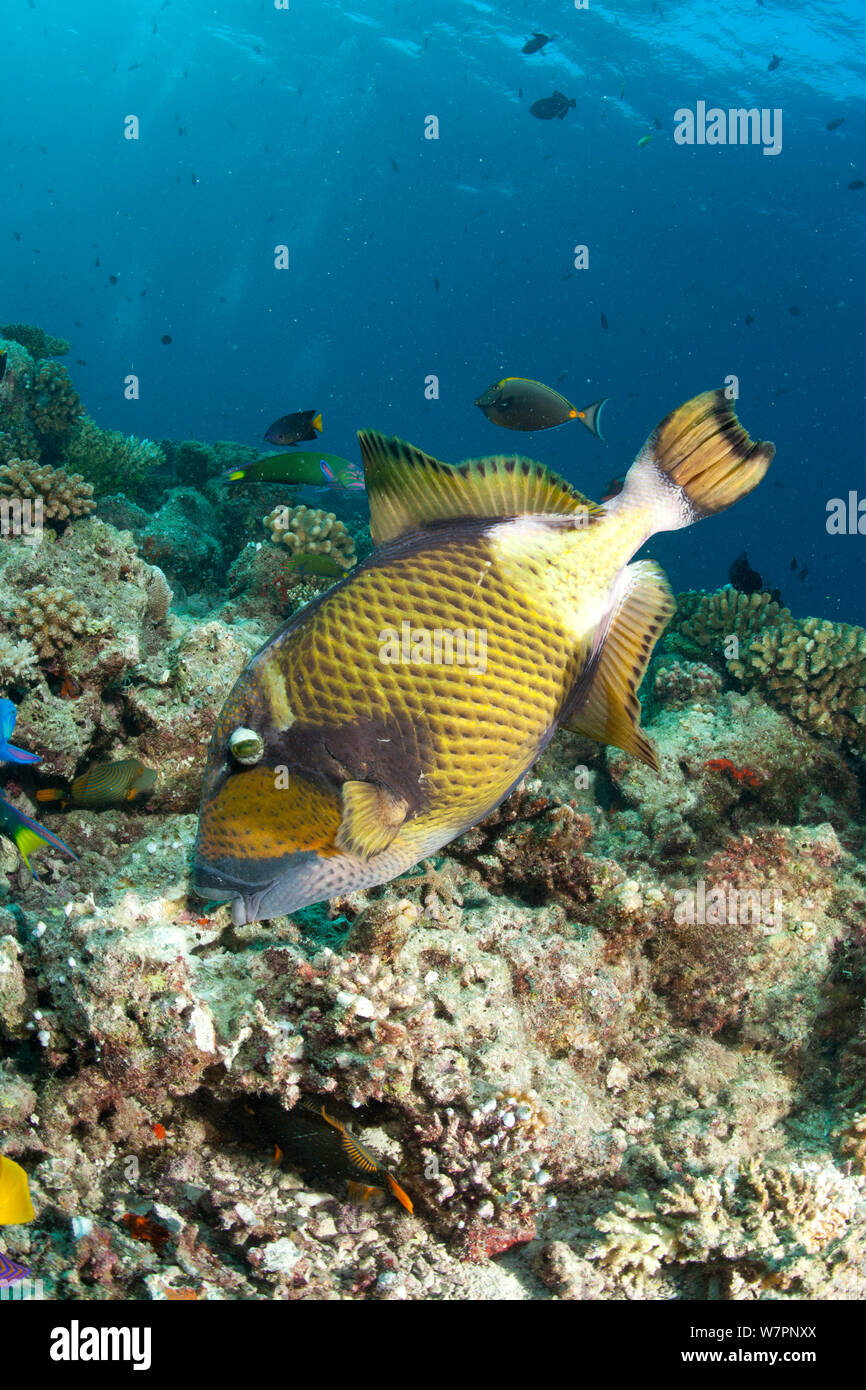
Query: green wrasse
x=302 y=467
x=26 y=835
x=399 y=708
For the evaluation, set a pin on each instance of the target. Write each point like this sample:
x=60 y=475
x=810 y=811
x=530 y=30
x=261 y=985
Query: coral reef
x=184 y=537
x=813 y=668
x=309 y=530
x=63 y=494
x=37 y=342
x=51 y=619
x=55 y=405
x=17 y=662
x=109 y=460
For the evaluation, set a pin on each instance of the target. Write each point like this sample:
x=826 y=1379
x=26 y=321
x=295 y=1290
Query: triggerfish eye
x=246 y=746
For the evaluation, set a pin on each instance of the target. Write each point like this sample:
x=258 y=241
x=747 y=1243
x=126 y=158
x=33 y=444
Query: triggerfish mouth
x=398 y=708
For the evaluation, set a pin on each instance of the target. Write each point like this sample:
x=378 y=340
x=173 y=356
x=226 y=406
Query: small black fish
x=856 y=184
x=194 y=179
x=743 y=577
x=750 y=318
x=395 y=166
x=537 y=42
x=604 y=320
x=793 y=310
x=773 y=63
x=80 y=362
x=292 y=429
x=549 y=108
x=166 y=338
x=657 y=123
x=112 y=279
x=793 y=562
x=435 y=282
x=835 y=123
x=17 y=236
x=803 y=572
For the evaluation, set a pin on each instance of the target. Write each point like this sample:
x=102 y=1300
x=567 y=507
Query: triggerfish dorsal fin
x=15 y=1204
x=408 y=489
x=607 y=707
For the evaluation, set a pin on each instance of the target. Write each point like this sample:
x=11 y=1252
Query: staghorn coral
x=54 y=405
x=17 y=662
x=309 y=530
x=37 y=342
x=812 y=668
x=51 y=619
x=63 y=494
x=111 y=461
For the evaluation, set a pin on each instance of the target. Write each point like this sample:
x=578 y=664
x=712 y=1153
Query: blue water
x=294 y=122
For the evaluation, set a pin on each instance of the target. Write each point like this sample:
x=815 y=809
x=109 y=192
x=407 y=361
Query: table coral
x=63 y=494
x=310 y=530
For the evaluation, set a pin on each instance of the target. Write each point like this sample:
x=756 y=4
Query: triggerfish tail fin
x=27 y=835
x=15 y=1204
x=704 y=452
x=591 y=416
x=605 y=703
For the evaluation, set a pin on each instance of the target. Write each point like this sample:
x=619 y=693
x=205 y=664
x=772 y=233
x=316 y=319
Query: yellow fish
x=15 y=1204
x=399 y=708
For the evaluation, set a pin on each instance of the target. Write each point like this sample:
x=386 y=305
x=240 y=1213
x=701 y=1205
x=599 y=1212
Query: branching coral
x=17 y=662
x=37 y=342
x=762 y=1222
x=51 y=619
x=814 y=669
x=111 y=461
x=63 y=494
x=55 y=404
x=309 y=530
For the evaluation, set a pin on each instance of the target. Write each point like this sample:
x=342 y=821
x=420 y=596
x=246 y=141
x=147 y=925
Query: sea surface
x=422 y=269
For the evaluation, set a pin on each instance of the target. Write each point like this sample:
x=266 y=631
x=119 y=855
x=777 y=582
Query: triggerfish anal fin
x=371 y=818
x=607 y=706
x=26 y=835
x=8 y=753
x=16 y=1208
x=408 y=489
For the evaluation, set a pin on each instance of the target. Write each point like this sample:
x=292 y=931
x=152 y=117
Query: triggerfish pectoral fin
x=26 y=835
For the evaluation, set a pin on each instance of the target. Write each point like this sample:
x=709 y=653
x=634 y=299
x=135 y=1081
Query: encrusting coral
x=311 y=531
x=813 y=668
x=63 y=494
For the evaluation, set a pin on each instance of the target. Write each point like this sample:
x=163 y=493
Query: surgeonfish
x=320 y=1145
x=104 y=785
x=517 y=403
x=16 y=1208
x=305 y=468
x=293 y=429
x=8 y=753
x=400 y=707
